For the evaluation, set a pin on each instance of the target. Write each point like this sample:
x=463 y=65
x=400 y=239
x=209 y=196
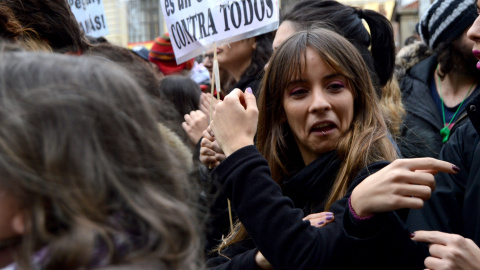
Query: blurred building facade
x=133 y=22
x=138 y=22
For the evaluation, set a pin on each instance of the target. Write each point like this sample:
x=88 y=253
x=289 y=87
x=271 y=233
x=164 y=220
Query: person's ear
x=254 y=43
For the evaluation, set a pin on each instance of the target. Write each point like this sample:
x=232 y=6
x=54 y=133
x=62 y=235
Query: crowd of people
x=326 y=148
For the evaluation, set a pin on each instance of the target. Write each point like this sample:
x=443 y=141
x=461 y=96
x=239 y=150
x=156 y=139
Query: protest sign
x=194 y=25
x=90 y=15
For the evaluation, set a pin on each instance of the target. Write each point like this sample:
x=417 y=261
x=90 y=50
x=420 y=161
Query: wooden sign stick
x=216 y=80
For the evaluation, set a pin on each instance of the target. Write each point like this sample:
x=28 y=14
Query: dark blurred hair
x=182 y=91
x=144 y=75
x=261 y=54
x=52 y=20
x=456 y=56
x=81 y=151
x=347 y=21
x=12 y=30
x=97 y=40
x=124 y=57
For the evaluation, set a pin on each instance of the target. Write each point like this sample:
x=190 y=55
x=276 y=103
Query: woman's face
x=318 y=107
x=474 y=34
x=236 y=56
x=284 y=31
x=208 y=61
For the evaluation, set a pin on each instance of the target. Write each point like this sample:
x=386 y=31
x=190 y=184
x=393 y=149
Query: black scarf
x=310 y=187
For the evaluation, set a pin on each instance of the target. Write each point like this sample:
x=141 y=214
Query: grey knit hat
x=445 y=20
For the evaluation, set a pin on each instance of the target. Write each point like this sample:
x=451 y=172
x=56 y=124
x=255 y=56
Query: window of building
x=143 y=20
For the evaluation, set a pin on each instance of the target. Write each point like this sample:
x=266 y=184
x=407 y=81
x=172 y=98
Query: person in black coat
x=449 y=220
x=321 y=134
x=436 y=90
x=453 y=209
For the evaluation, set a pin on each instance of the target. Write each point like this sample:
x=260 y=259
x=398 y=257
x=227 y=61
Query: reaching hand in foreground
x=449 y=251
x=234 y=122
x=405 y=183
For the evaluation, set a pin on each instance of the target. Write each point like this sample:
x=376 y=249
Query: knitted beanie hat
x=445 y=20
x=163 y=56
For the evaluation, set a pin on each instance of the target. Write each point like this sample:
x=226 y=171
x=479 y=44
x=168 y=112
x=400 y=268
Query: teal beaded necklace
x=445 y=131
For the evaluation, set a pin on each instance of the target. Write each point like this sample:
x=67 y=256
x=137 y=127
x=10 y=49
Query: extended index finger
x=431 y=164
x=433 y=237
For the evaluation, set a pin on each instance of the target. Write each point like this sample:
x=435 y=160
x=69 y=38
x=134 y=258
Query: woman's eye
x=298 y=91
x=336 y=86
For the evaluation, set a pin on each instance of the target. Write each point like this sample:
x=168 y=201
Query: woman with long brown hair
x=87 y=179
x=320 y=133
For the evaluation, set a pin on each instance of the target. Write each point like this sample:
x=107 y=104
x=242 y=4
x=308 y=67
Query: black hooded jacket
x=455 y=204
x=420 y=131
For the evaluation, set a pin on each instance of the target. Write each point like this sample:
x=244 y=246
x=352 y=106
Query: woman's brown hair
x=81 y=151
x=12 y=30
x=364 y=142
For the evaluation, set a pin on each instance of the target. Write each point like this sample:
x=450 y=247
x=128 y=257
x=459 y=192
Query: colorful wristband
x=354 y=214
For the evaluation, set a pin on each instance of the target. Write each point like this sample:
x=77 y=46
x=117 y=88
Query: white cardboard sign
x=90 y=15
x=194 y=25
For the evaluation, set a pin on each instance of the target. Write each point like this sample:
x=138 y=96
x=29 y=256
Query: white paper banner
x=90 y=14
x=194 y=25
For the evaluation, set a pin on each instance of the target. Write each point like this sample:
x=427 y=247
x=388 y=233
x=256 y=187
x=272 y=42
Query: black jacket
x=290 y=243
x=420 y=132
x=249 y=81
x=455 y=203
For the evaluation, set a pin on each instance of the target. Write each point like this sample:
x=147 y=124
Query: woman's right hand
x=234 y=122
x=405 y=183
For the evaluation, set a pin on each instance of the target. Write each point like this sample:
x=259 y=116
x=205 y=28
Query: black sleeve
x=443 y=212
x=242 y=261
x=275 y=224
x=383 y=241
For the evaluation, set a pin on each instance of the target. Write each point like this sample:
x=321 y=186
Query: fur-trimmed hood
x=409 y=56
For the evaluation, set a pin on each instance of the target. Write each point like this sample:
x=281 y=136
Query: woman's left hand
x=405 y=183
x=234 y=122
x=449 y=251
x=320 y=219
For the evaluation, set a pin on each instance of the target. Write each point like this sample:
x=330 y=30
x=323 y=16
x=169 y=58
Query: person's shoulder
x=465 y=140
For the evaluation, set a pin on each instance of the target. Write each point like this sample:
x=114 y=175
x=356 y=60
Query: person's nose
x=474 y=31
x=319 y=101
